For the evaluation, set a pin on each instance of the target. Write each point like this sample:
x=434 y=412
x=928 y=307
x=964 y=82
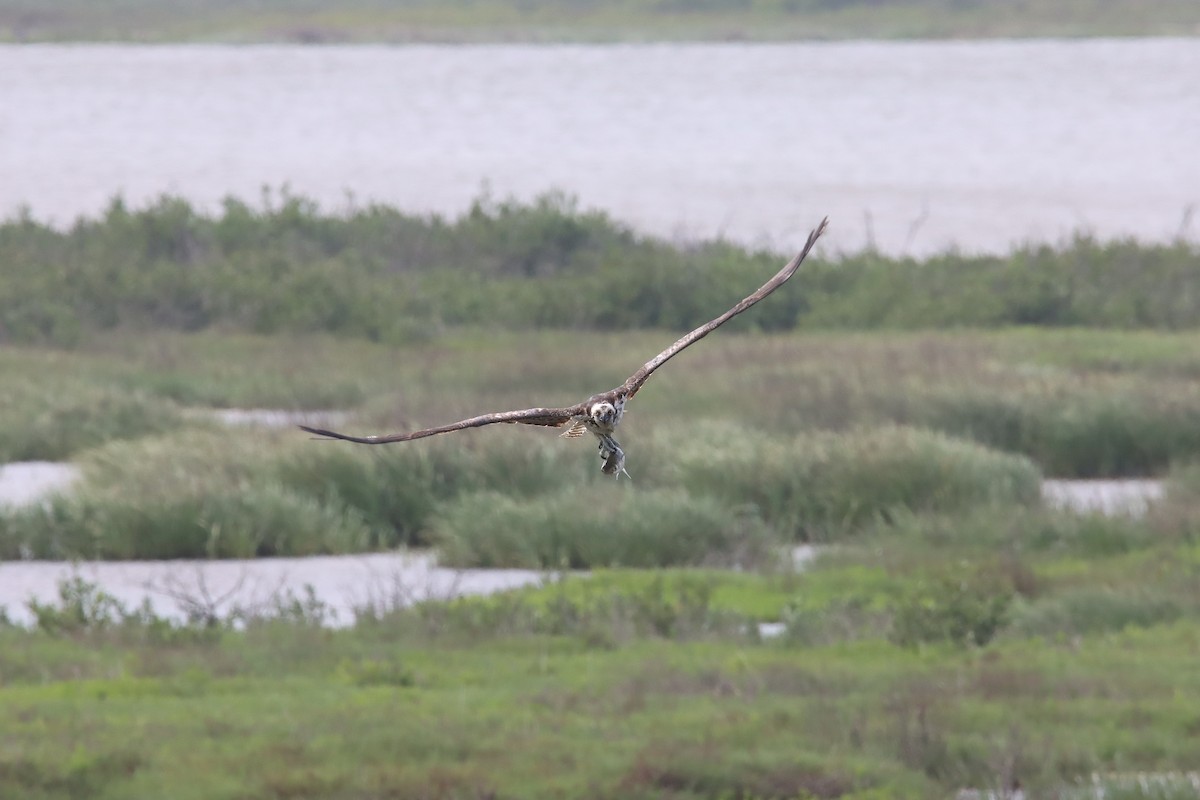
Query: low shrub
x=961 y=609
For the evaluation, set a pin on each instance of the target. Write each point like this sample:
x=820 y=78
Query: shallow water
x=25 y=482
x=277 y=417
x=1106 y=497
x=912 y=146
x=343 y=583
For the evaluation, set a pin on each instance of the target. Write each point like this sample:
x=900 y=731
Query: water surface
x=377 y=581
x=914 y=146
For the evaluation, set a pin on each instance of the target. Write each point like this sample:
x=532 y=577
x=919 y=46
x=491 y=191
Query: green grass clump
x=1176 y=517
x=620 y=607
x=760 y=596
x=1089 y=610
x=197 y=494
x=398 y=489
x=817 y=487
x=1036 y=530
x=595 y=527
x=173 y=521
x=53 y=420
x=1086 y=434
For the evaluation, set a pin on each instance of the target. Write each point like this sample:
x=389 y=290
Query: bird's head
x=603 y=413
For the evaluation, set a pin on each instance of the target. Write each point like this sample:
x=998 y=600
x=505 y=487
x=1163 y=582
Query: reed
x=51 y=420
x=397 y=490
x=819 y=487
x=587 y=528
x=197 y=494
x=1088 y=610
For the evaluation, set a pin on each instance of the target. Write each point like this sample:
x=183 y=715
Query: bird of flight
x=601 y=413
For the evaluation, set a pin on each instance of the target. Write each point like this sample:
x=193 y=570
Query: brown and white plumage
x=601 y=413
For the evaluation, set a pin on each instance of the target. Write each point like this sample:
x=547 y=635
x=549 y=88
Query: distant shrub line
x=385 y=275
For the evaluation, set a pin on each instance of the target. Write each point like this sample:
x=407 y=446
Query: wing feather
x=635 y=381
x=549 y=417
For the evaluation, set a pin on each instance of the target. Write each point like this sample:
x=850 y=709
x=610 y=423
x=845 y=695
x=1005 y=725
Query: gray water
x=914 y=146
x=1112 y=497
x=344 y=585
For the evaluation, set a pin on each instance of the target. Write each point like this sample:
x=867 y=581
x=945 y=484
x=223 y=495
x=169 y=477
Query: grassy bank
x=594 y=20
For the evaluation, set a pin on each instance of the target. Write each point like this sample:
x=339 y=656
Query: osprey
x=601 y=413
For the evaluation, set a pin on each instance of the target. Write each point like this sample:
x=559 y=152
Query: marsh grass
x=54 y=420
x=819 y=487
x=1176 y=516
x=709 y=426
x=1090 y=610
x=919 y=658
x=1123 y=405
x=542 y=715
x=184 y=522
x=1087 y=434
x=526 y=497
x=198 y=494
x=398 y=489
x=592 y=527
x=1032 y=529
x=676 y=604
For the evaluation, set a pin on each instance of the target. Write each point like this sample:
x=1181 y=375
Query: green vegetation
x=952 y=632
x=592 y=527
x=917 y=659
x=206 y=492
x=878 y=428
x=582 y=20
x=386 y=276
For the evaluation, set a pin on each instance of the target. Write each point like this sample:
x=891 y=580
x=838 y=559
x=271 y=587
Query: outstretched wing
x=549 y=417
x=635 y=381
